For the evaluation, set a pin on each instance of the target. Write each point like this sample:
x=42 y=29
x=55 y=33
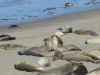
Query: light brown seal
x=85 y=32
x=12 y=47
x=27 y=67
x=76 y=57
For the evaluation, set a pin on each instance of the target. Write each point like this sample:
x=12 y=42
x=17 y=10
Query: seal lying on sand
x=76 y=57
x=7 y=38
x=85 y=32
x=73 y=68
x=38 y=51
x=28 y=68
x=67 y=29
x=93 y=41
x=54 y=42
x=4 y=35
x=12 y=47
x=79 y=69
x=30 y=53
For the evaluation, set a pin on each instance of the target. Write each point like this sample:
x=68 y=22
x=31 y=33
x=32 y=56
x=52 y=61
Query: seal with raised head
x=54 y=42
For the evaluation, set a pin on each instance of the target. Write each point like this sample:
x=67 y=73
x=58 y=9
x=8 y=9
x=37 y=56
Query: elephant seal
x=30 y=53
x=8 y=38
x=39 y=51
x=71 y=68
x=79 y=69
x=75 y=57
x=85 y=32
x=12 y=47
x=4 y=35
x=53 y=42
x=93 y=41
x=27 y=67
x=67 y=29
x=43 y=61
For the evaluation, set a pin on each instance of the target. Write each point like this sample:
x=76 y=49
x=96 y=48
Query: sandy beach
x=32 y=34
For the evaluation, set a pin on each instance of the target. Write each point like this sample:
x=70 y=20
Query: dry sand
x=32 y=34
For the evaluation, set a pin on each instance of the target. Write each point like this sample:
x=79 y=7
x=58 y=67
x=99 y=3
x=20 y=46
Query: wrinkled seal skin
x=85 y=32
x=26 y=67
x=76 y=57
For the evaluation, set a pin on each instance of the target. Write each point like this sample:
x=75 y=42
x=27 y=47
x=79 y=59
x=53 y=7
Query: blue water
x=23 y=11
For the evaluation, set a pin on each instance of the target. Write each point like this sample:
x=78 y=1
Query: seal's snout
x=86 y=42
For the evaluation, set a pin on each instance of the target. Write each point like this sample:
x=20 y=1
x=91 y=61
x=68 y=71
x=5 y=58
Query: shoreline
x=69 y=17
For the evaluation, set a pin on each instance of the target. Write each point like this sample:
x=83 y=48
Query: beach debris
x=14 y=26
x=66 y=5
x=28 y=68
x=81 y=56
x=44 y=62
x=30 y=53
x=7 y=38
x=12 y=47
x=85 y=32
x=93 y=41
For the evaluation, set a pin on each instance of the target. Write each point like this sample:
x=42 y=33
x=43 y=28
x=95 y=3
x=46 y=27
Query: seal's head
x=59 y=33
x=44 y=62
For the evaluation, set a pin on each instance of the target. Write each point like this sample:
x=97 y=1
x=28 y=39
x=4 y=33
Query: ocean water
x=23 y=11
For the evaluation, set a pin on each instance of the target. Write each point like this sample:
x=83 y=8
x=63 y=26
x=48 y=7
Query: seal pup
x=38 y=51
x=74 y=68
x=27 y=67
x=85 y=32
x=93 y=41
x=44 y=62
x=75 y=57
x=4 y=35
x=30 y=53
x=8 y=38
x=12 y=47
x=54 y=42
x=79 y=69
x=67 y=29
